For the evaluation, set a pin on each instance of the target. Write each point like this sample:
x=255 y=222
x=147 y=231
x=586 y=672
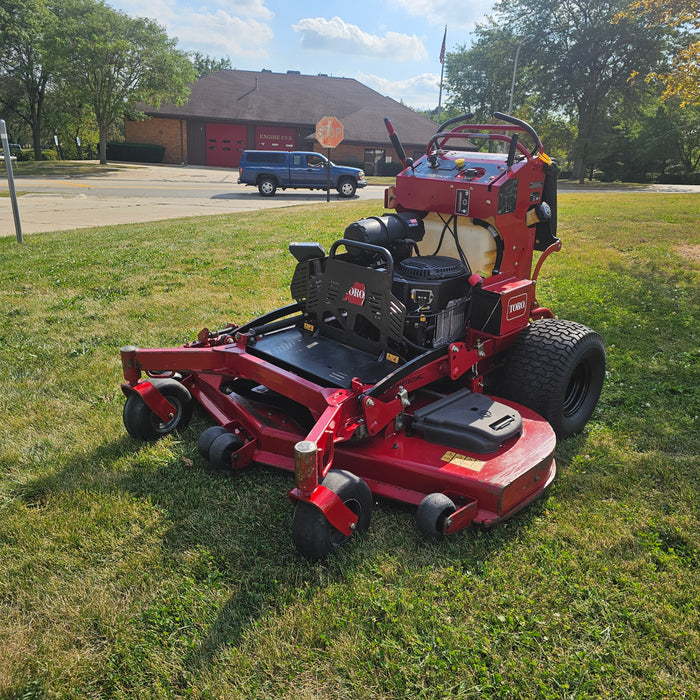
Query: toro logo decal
x=356 y=294
x=517 y=307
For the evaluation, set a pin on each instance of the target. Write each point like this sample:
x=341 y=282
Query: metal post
x=515 y=68
x=10 y=179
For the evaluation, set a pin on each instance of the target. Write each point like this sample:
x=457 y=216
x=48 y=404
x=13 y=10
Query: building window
x=373 y=160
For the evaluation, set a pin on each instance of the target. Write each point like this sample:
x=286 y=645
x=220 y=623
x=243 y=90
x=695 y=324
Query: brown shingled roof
x=300 y=100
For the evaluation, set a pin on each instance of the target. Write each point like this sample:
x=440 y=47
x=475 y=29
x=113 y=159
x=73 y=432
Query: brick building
x=231 y=111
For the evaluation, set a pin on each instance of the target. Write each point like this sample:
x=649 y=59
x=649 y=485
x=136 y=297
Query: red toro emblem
x=517 y=307
x=356 y=294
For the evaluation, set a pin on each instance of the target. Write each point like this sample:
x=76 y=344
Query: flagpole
x=442 y=73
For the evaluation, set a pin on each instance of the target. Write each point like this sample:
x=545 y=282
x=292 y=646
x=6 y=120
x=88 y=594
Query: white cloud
x=340 y=37
x=219 y=33
x=247 y=8
x=221 y=28
x=168 y=9
x=421 y=91
x=443 y=12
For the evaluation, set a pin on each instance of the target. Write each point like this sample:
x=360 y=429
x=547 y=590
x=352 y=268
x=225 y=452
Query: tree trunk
x=36 y=140
x=35 y=123
x=103 y=144
x=582 y=145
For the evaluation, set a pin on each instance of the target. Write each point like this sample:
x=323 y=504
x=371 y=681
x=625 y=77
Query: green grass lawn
x=61 y=168
x=131 y=571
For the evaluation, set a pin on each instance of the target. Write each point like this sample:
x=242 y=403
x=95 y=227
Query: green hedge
x=679 y=178
x=136 y=152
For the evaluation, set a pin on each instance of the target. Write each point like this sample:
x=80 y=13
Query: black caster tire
x=313 y=536
x=221 y=450
x=432 y=513
x=141 y=423
x=206 y=439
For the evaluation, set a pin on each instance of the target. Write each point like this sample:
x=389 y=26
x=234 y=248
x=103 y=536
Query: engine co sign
x=329 y=132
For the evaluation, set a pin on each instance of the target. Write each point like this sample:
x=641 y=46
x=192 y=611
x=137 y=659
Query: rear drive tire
x=556 y=368
x=267 y=186
x=313 y=535
x=432 y=512
x=141 y=423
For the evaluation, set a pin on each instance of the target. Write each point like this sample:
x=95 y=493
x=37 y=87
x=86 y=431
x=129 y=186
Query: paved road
x=155 y=192
x=143 y=193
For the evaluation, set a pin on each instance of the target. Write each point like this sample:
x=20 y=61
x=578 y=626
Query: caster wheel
x=432 y=512
x=313 y=536
x=206 y=439
x=141 y=423
x=221 y=450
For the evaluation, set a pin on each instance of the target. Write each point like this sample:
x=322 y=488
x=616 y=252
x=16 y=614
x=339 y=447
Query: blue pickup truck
x=273 y=170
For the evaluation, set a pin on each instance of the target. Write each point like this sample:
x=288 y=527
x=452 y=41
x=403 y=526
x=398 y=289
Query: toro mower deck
x=414 y=362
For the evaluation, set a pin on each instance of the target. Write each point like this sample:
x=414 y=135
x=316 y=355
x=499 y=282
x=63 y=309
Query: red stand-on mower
x=381 y=377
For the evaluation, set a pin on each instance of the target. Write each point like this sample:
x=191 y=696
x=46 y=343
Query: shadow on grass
x=231 y=532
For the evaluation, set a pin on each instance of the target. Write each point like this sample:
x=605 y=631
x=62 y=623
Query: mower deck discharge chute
x=414 y=363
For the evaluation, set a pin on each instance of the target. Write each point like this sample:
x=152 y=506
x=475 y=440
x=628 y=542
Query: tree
x=204 y=65
x=116 y=61
x=682 y=80
x=478 y=77
x=577 y=64
x=28 y=41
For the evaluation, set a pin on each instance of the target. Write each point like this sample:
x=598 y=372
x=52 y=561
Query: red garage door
x=225 y=143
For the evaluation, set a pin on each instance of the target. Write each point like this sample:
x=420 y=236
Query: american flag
x=442 y=50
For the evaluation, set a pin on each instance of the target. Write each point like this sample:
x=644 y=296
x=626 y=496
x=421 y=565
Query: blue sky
x=393 y=46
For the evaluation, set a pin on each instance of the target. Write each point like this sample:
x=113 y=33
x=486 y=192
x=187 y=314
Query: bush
x=136 y=152
x=389 y=169
x=675 y=177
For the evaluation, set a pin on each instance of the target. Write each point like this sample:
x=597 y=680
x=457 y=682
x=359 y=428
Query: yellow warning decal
x=392 y=358
x=309 y=327
x=459 y=460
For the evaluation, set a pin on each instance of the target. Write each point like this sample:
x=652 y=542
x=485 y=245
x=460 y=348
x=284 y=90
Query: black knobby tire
x=141 y=423
x=432 y=513
x=267 y=186
x=313 y=536
x=347 y=187
x=557 y=368
x=221 y=450
x=206 y=439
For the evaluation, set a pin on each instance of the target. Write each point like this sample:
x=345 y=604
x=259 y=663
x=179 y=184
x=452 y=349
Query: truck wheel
x=267 y=186
x=556 y=368
x=347 y=187
x=313 y=536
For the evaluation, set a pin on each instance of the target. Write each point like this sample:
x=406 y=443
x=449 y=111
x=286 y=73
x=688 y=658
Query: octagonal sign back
x=329 y=132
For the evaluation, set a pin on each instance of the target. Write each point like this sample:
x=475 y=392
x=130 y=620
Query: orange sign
x=329 y=132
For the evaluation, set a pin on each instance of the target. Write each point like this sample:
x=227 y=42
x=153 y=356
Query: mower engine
x=433 y=288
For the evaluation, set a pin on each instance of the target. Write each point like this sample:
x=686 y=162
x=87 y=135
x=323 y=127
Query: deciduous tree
x=117 y=61
x=682 y=79
x=577 y=63
x=28 y=63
